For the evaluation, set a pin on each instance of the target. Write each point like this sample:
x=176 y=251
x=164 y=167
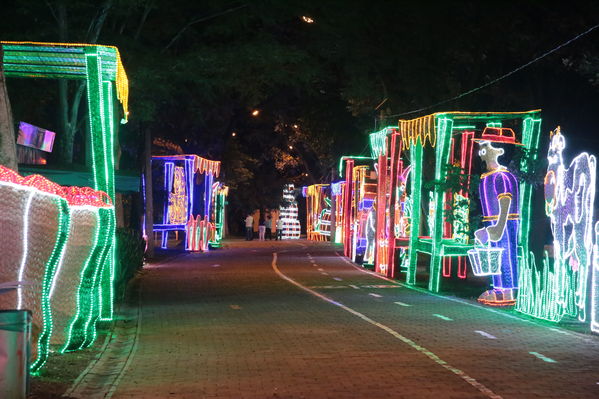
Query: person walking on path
x=249 y=228
x=268 y=225
x=261 y=230
x=279 y=235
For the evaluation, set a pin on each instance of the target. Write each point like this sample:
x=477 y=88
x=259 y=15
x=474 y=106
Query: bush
x=129 y=258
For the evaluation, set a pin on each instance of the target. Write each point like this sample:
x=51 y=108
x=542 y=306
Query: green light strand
x=107 y=301
x=444 y=128
x=88 y=291
x=416 y=197
x=378 y=143
x=62 y=236
x=105 y=261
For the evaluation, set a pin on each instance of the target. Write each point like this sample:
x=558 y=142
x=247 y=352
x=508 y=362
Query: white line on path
x=216 y=265
x=324 y=273
x=557 y=330
x=485 y=334
x=375 y=295
x=327 y=287
x=442 y=317
x=474 y=305
x=543 y=357
x=355 y=287
x=473 y=382
x=337 y=279
x=401 y=304
x=320 y=269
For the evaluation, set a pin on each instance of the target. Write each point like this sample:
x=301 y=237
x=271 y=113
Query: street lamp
x=255 y=112
x=307 y=19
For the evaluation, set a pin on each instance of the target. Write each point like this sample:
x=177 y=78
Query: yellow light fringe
x=422 y=129
x=121 y=80
x=200 y=164
x=314 y=189
x=425 y=127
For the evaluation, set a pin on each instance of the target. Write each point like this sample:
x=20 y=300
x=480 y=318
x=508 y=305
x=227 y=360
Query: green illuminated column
x=82 y=330
x=416 y=196
x=43 y=342
x=100 y=105
x=531 y=129
x=444 y=128
x=107 y=300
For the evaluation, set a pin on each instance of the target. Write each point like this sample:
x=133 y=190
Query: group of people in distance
x=265 y=230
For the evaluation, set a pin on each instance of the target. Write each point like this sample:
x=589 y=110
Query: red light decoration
x=87 y=196
x=43 y=184
x=9 y=175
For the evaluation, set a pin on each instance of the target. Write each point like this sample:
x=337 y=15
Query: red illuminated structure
x=358 y=200
x=393 y=218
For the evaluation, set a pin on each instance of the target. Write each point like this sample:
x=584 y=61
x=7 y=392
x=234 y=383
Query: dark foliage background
x=198 y=69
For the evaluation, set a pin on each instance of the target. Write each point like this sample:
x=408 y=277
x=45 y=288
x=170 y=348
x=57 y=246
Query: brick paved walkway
x=225 y=325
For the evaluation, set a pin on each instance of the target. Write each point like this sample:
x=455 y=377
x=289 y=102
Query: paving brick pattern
x=225 y=325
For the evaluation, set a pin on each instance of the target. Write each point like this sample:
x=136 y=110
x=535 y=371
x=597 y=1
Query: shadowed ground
x=226 y=325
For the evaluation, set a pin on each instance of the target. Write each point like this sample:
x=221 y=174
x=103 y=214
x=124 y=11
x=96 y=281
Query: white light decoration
x=559 y=286
x=595 y=284
x=289 y=214
x=569 y=199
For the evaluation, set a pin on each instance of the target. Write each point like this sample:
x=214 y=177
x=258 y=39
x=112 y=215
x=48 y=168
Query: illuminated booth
x=63 y=246
x=337 y=199
x=219 y=201
x=318 y=212
x=183 y=189
x=358 y=199
x=425 y=213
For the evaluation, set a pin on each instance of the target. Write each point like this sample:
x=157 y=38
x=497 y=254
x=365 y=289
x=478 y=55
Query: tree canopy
x=321 y=74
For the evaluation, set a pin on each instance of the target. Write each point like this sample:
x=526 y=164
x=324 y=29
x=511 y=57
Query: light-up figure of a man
x=501 y=216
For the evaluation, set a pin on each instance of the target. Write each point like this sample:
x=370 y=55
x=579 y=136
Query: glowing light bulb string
x=521 y=67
